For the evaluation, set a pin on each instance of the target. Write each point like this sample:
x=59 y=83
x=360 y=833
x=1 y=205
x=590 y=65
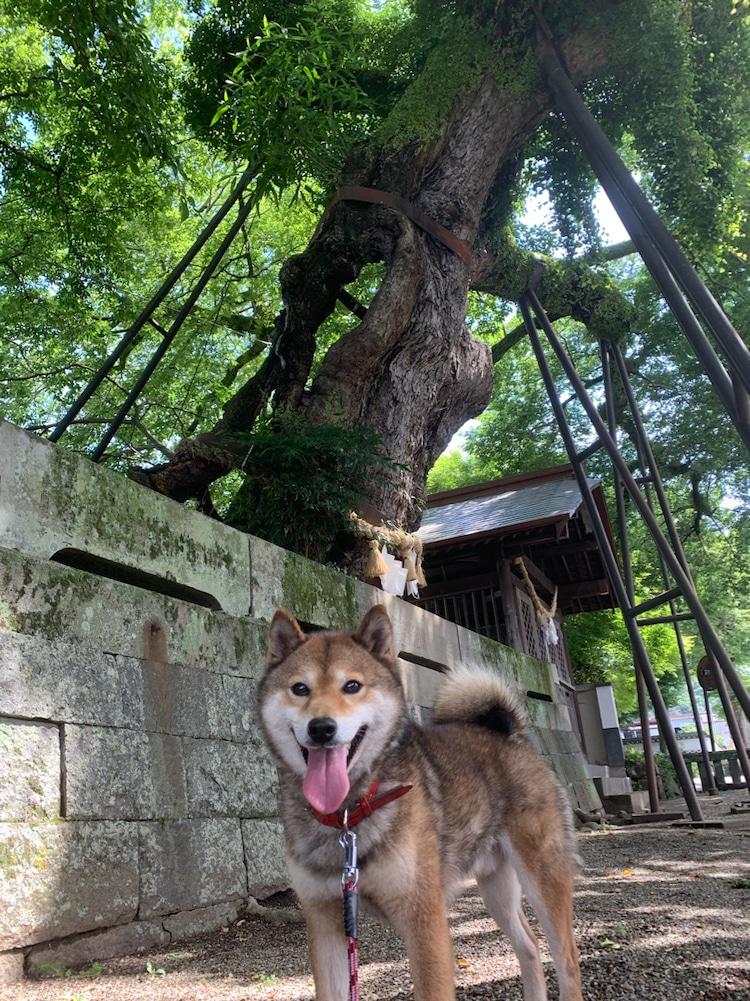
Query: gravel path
x=657 y=917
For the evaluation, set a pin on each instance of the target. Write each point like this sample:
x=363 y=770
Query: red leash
x=349 y=880
x=344 y=820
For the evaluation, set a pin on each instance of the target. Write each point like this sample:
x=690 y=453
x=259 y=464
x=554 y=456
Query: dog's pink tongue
x=327 y=781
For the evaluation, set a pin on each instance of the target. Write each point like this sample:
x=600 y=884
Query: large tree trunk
x=410 y=370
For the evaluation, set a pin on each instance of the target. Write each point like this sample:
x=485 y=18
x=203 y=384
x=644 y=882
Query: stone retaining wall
x=137 y=801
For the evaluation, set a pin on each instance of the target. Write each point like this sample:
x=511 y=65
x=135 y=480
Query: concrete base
x=616 y=789
x=702 y=824
x=737 y=823
x=663 y=816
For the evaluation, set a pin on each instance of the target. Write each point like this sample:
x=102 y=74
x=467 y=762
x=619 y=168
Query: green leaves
x=673 y=97
x=100 y=62
x=303 y=480
x=293 y=103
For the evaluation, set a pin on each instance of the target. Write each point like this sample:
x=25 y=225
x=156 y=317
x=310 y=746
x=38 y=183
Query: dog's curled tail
x=482 y=698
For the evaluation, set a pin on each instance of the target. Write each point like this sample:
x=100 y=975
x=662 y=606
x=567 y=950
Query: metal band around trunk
x=355 y=193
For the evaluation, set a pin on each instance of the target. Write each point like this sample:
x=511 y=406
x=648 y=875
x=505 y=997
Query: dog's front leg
x=327 y=946
x=430 y=951
x=421 y=919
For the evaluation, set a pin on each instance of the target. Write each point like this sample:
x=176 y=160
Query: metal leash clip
x=349 y=880
x=348 y=841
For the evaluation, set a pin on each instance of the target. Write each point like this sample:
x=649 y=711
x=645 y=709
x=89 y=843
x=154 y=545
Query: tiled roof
x=512 y=506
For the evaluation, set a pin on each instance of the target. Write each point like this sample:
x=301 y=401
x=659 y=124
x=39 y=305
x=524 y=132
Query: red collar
x=364 y=807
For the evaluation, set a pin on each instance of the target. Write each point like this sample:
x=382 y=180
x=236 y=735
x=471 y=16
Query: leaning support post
x=682 y=578
x=724 y=386
x=709 y=720
x=627 y=570
x=600 y=152
x=712 y=790
x=651 y=475
x=710 y=639
x=173 y=330
x=146 y=313
x=613 y=571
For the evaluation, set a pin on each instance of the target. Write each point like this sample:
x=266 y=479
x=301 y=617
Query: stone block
x=167 y=774
x=552 y=716
x=537 y=713
x=188 y=924
x=568 y=741
x=30 y=774
x=53 y=959
x=56 y=602
x=570 y=767
x=228 y=779
x=526 y=672
x=315 y=594
x=59 y=879
x=122 y=774
x=543 y=740
x=421 y=684
x=554 y=741
x=106 y=773
x=52 y=499
x=242 y=707
x=534 y=675
x=323 y=597
x=421 y=634
x=610 y=786
x=11 y=967
x=265 y=857
x=182 y=700
x=69 y=682
x=584 y=795
x=190 y=863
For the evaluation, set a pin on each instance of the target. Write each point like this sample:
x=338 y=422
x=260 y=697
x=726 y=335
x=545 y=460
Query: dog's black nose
x=322 y=729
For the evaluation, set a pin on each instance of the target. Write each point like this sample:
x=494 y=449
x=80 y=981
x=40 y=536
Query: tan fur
x=483 y=804
x=468 y=693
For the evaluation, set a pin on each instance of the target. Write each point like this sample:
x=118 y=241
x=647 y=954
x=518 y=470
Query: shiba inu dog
x=481 y=803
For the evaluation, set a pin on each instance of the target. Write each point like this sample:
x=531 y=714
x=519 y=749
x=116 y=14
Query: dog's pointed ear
x=284 y=636
x=375 y=633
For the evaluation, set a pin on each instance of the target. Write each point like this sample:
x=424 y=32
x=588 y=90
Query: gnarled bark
x=410 y=370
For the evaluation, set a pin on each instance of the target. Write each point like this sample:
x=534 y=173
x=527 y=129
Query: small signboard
x=706 y=676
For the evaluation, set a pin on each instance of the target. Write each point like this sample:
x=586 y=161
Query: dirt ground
x=661 y=913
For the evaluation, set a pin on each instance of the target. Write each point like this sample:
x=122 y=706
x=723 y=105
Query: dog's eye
x=300 y=688
x=351 y=687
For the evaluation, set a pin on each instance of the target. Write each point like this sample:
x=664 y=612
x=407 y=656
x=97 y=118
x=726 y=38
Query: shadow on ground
x=657 y=916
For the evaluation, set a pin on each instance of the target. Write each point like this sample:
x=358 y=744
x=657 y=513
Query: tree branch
x=566 y=288
x=245 y=358
x=35 y=78
x=613 y=252
x=501 y=348
x=35 y=161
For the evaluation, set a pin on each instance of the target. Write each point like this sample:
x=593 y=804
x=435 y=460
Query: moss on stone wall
x=319 y=595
